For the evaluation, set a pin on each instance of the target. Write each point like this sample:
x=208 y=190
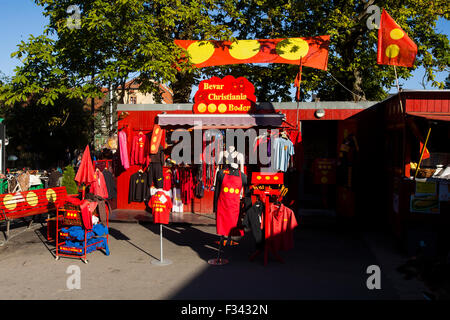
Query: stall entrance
x=318 y=170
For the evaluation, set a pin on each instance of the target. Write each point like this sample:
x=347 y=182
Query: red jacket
x=161 y=206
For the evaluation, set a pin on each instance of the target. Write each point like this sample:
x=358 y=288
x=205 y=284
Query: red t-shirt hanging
x=161 y=206
x=139 y=149
x=280 y=231
x=167 y=176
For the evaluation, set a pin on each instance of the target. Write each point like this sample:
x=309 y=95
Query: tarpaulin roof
x=230 y=120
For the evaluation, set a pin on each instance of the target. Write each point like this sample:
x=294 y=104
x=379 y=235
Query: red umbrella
x=85 y=173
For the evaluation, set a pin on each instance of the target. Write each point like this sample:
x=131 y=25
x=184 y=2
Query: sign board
x=425 y=188
x=324 y=171
x=225 y=96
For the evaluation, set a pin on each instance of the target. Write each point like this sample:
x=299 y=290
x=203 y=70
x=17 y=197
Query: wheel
x=85 y=261
x=57 y=258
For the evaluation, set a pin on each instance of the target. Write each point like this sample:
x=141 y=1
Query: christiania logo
x=227 y=95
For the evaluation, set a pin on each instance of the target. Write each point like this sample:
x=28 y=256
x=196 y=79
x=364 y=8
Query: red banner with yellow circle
x=312 y=50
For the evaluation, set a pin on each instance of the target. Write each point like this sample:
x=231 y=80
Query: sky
x=20 y=18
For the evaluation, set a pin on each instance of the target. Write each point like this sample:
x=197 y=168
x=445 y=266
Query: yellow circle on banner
x=275 y=178
x=201 y=107
x=51 y=195
x=156 y=130
x=200 y=51
x=222 y=108
x=324 y=180
x=267 y=177
x=259 y=177
x=32 y=199
x=153 y=147
x=392 y=50
x=154 y=139
x=244 y=49
x=9 y=202
x=397 y=34
x=232 y=190
x=236 y=191
x=292 y=49
x=225 y=189
x=212 y=108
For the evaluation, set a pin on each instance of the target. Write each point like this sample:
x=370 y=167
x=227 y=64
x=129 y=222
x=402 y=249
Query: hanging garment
x=139 y=149
x=281 y=226
x=177 y=203
x=253 y=220
x=110 y=184
x=123 y=149
x=98 y=187
x=186 y=185
x=161 y=205
x=228 y=203
x=283 y=149
x=167 y=177
x=139 y=188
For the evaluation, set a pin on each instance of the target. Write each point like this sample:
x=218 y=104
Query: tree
x=39 y=135
x=68 y=180
x=115 y=41
x=353 y=48
x=447 y=82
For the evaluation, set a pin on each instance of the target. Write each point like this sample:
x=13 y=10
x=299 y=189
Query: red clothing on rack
x=139 y=149
x=167 y=177
x=98 y=187
x=161 y=206
x=281 y=224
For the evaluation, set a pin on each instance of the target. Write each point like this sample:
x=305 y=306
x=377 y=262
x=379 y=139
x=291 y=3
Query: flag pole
x=421 y=153
x=398 y=88
x=298 y=88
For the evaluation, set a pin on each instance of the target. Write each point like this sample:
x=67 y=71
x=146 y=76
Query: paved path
x=325 y=264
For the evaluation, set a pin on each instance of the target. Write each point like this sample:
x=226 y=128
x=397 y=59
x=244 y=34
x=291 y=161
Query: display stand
x=161 y=261
x=70 y=215
x=264 y=192
x=219 y=261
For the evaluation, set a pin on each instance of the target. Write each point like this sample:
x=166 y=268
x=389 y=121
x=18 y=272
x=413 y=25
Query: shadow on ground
x=326 y=263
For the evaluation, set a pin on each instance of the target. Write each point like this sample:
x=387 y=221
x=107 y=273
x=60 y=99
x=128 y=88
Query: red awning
x=442 y=116
x=226 y=121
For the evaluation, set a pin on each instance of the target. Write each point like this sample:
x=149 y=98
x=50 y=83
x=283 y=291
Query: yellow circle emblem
x=232 y=190
x=244 y=49
x=51 y=195
x=236 y=191
x=225 y=189
x=392 y=50
x=222 y=108
x=292 y=49
x=201 y=107
x=200 y=51
x=397 y=34
x=212 y=108
x=9 y=202
x=32 y=199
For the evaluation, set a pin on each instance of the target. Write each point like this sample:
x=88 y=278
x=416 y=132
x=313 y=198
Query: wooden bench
x=29 y=203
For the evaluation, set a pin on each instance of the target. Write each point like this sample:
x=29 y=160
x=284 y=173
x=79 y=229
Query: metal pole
x=161 y=241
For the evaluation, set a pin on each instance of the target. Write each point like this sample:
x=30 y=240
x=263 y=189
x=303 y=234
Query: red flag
x=426 y=154
x=394 y=45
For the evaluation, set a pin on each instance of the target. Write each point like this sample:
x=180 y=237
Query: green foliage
x=38 y=134
x=119 y=40
x=68 y=180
